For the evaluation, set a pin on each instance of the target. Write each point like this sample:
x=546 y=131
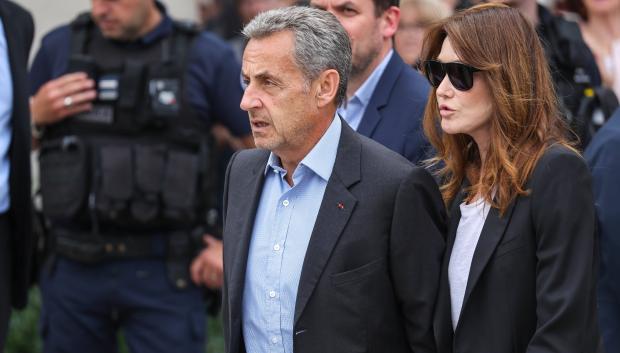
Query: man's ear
x=326 y=87
x=389 y=22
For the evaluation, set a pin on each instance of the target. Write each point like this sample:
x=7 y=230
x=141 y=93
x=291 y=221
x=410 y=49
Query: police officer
x=124 y=100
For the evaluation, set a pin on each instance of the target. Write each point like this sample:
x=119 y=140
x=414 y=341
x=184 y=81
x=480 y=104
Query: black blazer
x=19 y=29
x=370 y=274
x=531 y=285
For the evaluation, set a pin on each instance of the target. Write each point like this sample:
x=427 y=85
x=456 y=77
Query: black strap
x=81 y=28
x=84 y=247
x=131 y=84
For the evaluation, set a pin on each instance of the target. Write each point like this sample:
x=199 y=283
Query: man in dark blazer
x=16 y=242
x=385 y=97
x=604 y=162
x=332 y=243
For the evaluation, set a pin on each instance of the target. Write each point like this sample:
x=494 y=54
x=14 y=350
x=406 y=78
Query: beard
x=363 y=58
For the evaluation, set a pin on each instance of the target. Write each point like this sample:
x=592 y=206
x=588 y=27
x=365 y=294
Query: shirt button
x=272 y=294
x=274 y=340
x=276 y=247
x=285 y=203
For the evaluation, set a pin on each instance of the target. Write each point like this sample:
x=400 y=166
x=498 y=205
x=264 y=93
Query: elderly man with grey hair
x=332 y=242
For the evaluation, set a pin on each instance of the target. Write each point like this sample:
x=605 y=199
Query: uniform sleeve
x=604 y=162
x=40 y=71
x=416 y=251
x=214 y=86
x=566 y=251
x=51 y=59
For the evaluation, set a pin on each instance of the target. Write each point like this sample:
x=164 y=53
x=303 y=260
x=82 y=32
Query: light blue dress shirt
x=355 y=108
x=6 y=110
x=282 y=228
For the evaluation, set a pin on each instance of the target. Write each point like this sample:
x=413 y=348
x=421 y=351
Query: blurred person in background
x=600 y=25
x=519 y=274
x=16 y=239
x=208 y=10
x=573 y=69
x=385 y=96
x=604 y=161
x=247 y=10
x=123 y=98
x=415 y=17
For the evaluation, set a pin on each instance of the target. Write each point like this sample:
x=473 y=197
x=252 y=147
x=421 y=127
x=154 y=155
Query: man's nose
x=249 y=100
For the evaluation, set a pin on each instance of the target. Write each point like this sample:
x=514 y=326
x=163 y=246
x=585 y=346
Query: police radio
x=102 y=111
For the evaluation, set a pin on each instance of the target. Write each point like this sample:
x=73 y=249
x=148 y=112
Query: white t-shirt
x=467 y=235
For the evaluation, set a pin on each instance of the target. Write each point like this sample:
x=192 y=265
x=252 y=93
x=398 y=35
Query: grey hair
x=321 y=43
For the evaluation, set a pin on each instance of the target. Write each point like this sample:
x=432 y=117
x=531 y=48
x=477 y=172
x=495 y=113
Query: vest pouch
x=64 y=178
x=180 y=187
x=149 y=163
x=131 y=95
x=115 y=188
x=83 y=63
x=164 y=100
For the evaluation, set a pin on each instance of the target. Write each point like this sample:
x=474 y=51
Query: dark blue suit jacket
x=604 y=161
x=393 y=116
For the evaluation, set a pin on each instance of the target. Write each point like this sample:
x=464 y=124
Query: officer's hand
x=65 y=96
x=208 y=267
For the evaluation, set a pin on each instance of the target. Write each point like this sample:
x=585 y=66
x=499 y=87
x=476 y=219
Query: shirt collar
x=364 y=93
x=321 y=157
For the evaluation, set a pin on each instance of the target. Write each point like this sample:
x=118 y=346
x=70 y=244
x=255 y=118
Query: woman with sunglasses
x=519 y=272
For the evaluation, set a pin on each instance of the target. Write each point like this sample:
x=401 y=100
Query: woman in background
x=415 y=17
x=519 y=274
x=600 y=26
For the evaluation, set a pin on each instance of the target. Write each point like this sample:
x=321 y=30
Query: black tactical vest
x=575 y=75
x=141 y=160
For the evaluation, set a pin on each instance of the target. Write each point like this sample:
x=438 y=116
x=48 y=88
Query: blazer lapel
x=380 y=96
x=336 y=209
x=455 y=217
x=443 y=315
x=492 y=233
x=244 y=212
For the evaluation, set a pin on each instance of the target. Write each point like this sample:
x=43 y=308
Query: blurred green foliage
x=24 y=330
x=24 y=327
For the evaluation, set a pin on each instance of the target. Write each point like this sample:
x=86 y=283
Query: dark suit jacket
x=604 y=161
x=370 y=274
x=394 y=114
x=531 y=285
x=19 y=29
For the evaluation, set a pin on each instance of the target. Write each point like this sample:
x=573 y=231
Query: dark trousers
x=5 y=278
x=85 y=305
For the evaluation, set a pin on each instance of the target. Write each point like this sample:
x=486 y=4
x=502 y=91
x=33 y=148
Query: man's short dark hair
x=382 y=5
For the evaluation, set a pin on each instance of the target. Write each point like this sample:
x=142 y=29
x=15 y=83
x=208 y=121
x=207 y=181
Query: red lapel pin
x=341 y=205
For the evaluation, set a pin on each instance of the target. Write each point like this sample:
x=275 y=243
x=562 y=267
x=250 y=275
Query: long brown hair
x=499 y=41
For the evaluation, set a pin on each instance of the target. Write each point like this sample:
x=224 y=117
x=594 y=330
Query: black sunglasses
x=461 y=75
